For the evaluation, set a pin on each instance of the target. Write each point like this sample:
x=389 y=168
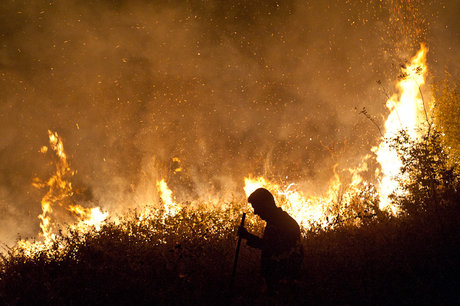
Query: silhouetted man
x=282 y=252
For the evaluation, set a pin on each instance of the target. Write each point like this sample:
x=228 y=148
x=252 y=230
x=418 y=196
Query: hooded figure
x=282 y=252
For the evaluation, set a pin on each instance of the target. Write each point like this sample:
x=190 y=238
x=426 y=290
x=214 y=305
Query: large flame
x=166 y=195
x=60 y=192
x=408 y=112
x=59 y=185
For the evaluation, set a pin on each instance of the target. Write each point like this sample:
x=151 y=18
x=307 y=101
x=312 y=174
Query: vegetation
x=429 y=183
x=141 y=260
x=187 y=259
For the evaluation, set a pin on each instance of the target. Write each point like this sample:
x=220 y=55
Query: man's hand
x=243 y=233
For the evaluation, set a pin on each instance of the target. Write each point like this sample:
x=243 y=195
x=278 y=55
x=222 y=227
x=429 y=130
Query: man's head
x=263 y=202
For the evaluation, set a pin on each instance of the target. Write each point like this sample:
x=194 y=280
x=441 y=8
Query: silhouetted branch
x=365 y=113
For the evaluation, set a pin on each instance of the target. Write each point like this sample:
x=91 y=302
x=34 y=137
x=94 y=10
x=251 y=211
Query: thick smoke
x=231 y=88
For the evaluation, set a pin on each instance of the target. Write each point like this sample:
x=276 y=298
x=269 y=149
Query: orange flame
x=88 y=217
x=305 y=210
x=59 y=186
x=170 y=207
x=60 y=191
x=311 y=211
x=407 y=111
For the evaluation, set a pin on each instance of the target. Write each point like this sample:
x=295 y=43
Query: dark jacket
x=282 y=252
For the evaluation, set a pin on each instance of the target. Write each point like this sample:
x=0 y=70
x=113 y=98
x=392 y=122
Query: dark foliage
x=183 y=262
x=141 y=260
x=429 y=182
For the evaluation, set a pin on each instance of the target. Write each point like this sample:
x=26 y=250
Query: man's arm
x=252 y=240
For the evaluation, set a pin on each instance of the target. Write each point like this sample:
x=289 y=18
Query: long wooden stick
x=235 y=262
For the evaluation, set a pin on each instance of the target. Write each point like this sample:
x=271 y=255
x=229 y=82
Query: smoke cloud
x=227 y=88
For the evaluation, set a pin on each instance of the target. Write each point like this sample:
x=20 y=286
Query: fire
x=89 y=217
x=59 y=195
x=309 y=211
x=170 y=207
x=250 y=185
x=407 y=111
x=306 y=210
x=176 y=161
x=60 y=192
x=59 y=185
x=342 y=203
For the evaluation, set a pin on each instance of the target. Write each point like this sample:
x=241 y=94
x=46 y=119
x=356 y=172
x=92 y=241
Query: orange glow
x=336 y=206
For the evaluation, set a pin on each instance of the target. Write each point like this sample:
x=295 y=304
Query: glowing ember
x=176 y=161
